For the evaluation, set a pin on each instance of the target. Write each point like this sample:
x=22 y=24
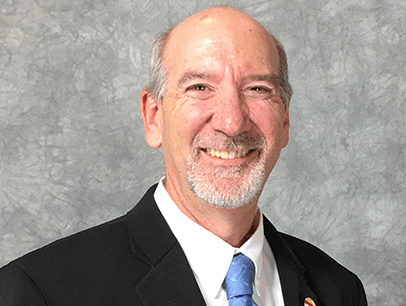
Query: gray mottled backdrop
x=72 y=148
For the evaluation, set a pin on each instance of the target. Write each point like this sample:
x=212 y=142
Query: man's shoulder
x=312 y=257
x=323 y=273
x=110 y=238
x=95 y=241
x=91 y=266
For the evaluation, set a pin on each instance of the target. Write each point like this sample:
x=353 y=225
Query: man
x=218 y=104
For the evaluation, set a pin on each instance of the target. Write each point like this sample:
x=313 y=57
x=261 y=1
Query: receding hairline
x=168 y=35
x=220 y=13
x=160 y=49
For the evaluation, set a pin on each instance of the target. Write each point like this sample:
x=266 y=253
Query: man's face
x=223 y=123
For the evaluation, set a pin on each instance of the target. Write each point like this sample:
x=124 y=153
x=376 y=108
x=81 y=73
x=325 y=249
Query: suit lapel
x=170 y=280
x=295 y=288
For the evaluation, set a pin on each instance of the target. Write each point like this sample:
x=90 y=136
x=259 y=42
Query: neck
x=234 y=225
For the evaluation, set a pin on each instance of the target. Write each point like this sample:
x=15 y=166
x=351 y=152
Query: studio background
x=72 y=146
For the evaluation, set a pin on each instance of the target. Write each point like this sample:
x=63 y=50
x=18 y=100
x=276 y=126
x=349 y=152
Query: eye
x=258 y=93
x=200 y=91
x=256 y=88
x=259 y=89
x=198 y=87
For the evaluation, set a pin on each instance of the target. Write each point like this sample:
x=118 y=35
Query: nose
x=231 y=115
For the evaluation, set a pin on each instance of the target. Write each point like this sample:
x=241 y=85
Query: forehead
x=215 y=41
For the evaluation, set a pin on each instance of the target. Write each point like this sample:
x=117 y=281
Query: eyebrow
x=272 y=78
x=187 y=76
x=190 y=75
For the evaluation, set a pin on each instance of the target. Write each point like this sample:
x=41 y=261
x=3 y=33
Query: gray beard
x=205 y=182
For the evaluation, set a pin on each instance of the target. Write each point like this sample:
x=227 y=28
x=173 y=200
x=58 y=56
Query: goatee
x=216 y=185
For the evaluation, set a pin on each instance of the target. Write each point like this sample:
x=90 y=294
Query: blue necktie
x=238 y=281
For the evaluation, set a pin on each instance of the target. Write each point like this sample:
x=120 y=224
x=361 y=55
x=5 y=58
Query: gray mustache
x=245 y=140
x=218 y=139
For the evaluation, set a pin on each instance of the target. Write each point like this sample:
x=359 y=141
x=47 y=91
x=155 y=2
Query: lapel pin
x=309 y=302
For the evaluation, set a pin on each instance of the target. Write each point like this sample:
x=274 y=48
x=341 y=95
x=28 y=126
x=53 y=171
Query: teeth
x=227 y=155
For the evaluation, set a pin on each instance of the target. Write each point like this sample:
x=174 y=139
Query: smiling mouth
x=227 y=154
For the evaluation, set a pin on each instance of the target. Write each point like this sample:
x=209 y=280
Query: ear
x=286 y=126
x=151 y=115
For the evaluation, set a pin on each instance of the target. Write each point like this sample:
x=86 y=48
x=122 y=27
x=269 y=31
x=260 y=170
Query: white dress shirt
x=210 y=257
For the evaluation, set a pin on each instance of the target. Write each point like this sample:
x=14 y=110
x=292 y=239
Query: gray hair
x=158 y=80
x=157 y=84
x=283 y=75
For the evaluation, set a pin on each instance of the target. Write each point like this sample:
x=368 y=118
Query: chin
x=227 y=187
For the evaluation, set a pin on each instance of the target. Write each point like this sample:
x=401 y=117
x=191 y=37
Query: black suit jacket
x=136 y=260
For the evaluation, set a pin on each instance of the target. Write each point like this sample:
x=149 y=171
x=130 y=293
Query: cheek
x=186 y=126
x=268 y=120
x=262 y=115
x=187 y=120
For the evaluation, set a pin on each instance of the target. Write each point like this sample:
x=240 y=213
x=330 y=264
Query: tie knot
x=239 y=278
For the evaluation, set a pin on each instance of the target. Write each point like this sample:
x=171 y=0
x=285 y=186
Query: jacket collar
x=292 y=273
x=170 y=280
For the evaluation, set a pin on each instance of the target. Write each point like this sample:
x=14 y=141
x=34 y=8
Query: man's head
x=158 y=79
x=218 y=104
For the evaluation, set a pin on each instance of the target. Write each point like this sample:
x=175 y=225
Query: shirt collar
x=208 y=255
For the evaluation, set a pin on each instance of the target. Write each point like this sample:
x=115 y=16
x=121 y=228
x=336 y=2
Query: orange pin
x=309 y=302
